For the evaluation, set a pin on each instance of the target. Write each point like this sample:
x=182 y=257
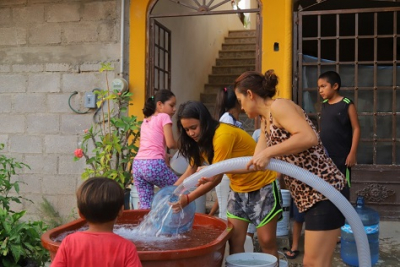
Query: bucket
x=251 y=259
x=201 y=204
x=248 y=244
x=283 y=225
x=134 y=199
x=178 y=163
x=222 y=190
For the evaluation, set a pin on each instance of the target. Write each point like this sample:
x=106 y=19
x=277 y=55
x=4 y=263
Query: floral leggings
x=150 y=172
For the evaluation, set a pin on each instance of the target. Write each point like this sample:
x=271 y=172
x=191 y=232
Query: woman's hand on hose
x=259 y=161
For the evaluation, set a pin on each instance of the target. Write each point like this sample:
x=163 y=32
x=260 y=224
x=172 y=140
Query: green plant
x=8 y=167
x=19 y=241
x=112 y=139
x=51 y=217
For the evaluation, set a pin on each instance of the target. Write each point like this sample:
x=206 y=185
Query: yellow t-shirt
x=232 y=142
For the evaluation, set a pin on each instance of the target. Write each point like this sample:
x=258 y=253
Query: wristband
x=187 y=198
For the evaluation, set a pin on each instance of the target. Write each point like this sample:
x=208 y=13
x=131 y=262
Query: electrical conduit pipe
x=302 y=175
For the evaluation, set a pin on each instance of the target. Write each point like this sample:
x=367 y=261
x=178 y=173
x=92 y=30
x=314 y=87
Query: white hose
x=304 y=176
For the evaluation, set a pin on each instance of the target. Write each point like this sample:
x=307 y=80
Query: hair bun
x=270 y=79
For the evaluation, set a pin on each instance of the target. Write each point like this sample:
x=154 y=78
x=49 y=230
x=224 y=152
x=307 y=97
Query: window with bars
x=362 y=46
x=160 y=58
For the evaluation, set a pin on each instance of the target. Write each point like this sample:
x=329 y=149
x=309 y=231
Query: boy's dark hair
x=331 y=77
x=162 y=95
x=226 y=100
x=100 y=199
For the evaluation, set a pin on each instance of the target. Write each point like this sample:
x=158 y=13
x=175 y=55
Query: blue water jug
x=370 y=220
x=167 y=221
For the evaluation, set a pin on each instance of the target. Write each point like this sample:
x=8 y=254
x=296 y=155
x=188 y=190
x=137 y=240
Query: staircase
x=238 y=55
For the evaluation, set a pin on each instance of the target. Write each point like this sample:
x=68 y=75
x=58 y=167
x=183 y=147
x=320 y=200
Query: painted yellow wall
x=277 y=27
x=137 y=55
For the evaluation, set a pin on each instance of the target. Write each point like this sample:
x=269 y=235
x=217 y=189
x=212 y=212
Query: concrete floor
x=389 y=247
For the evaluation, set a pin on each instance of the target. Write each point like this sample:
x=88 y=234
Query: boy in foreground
x=100 y=202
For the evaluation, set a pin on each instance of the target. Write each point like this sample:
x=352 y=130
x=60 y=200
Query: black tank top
x=336 y=132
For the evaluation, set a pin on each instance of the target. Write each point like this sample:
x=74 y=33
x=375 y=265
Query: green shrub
x=20 y=243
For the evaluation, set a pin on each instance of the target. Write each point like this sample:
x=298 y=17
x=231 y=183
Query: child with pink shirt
x=149 y=166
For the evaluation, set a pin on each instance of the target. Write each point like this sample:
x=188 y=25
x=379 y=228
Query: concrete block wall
x=48 y=50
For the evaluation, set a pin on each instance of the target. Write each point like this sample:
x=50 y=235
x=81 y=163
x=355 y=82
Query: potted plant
x=20 y=243
x=109 y=145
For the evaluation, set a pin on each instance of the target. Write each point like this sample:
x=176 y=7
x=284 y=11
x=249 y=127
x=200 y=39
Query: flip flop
x=294 y=252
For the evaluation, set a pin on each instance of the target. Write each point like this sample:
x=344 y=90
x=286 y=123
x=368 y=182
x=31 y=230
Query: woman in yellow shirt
x=254 y=196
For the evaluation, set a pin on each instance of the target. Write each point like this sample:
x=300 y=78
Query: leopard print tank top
x=314 y=160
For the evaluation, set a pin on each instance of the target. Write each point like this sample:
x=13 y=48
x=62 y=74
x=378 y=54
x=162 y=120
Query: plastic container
x=222 y=191
x=251 y=259
x=178 y=163
x=201 y=204
x=370 y=220
x=134 y=199
x=167 y=221
x=283 y=226
x=248 y=244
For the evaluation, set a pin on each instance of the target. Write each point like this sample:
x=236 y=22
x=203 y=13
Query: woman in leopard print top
x=289 y=135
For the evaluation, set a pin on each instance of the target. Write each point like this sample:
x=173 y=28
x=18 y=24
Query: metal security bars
x=362 y=46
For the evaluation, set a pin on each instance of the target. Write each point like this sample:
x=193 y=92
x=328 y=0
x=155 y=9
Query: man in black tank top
x=340 y=130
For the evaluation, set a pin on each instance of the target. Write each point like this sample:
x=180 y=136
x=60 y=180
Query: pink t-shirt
x=152 y=141
x=92 y=249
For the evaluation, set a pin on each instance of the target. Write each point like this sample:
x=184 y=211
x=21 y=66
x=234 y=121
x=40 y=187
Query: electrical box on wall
x=90 y=100
x=119 y=84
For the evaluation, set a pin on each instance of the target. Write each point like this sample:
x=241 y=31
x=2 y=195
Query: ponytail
x=149 y=107
x=162 y=95
x=226 y=100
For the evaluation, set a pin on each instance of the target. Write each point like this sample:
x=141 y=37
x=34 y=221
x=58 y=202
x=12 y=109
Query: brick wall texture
x=48 y=50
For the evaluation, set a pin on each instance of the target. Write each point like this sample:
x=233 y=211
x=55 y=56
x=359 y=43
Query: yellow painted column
x=277 y=16
x=137 y=56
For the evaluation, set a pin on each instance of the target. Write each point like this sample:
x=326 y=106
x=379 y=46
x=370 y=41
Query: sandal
x=293 y=253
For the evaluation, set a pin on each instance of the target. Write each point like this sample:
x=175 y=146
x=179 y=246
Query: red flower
x=78 y=153
x=85 y=131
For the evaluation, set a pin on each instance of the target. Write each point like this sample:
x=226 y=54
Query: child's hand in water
x=180 y=204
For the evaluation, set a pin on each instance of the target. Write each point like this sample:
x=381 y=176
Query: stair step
x=237 y=54
x=214 y=87
x=242 y=33
x=230 y=47
x=236 y=61
x=240 y=40
x=222 y=78
x=232 y=69
x=208 y=98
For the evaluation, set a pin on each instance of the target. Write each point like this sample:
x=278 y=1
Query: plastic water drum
x=251 y=259
x=283 y=225
x=166 y=220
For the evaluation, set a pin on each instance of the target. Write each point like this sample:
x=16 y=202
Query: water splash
x=179 y=190
x=161 y=220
